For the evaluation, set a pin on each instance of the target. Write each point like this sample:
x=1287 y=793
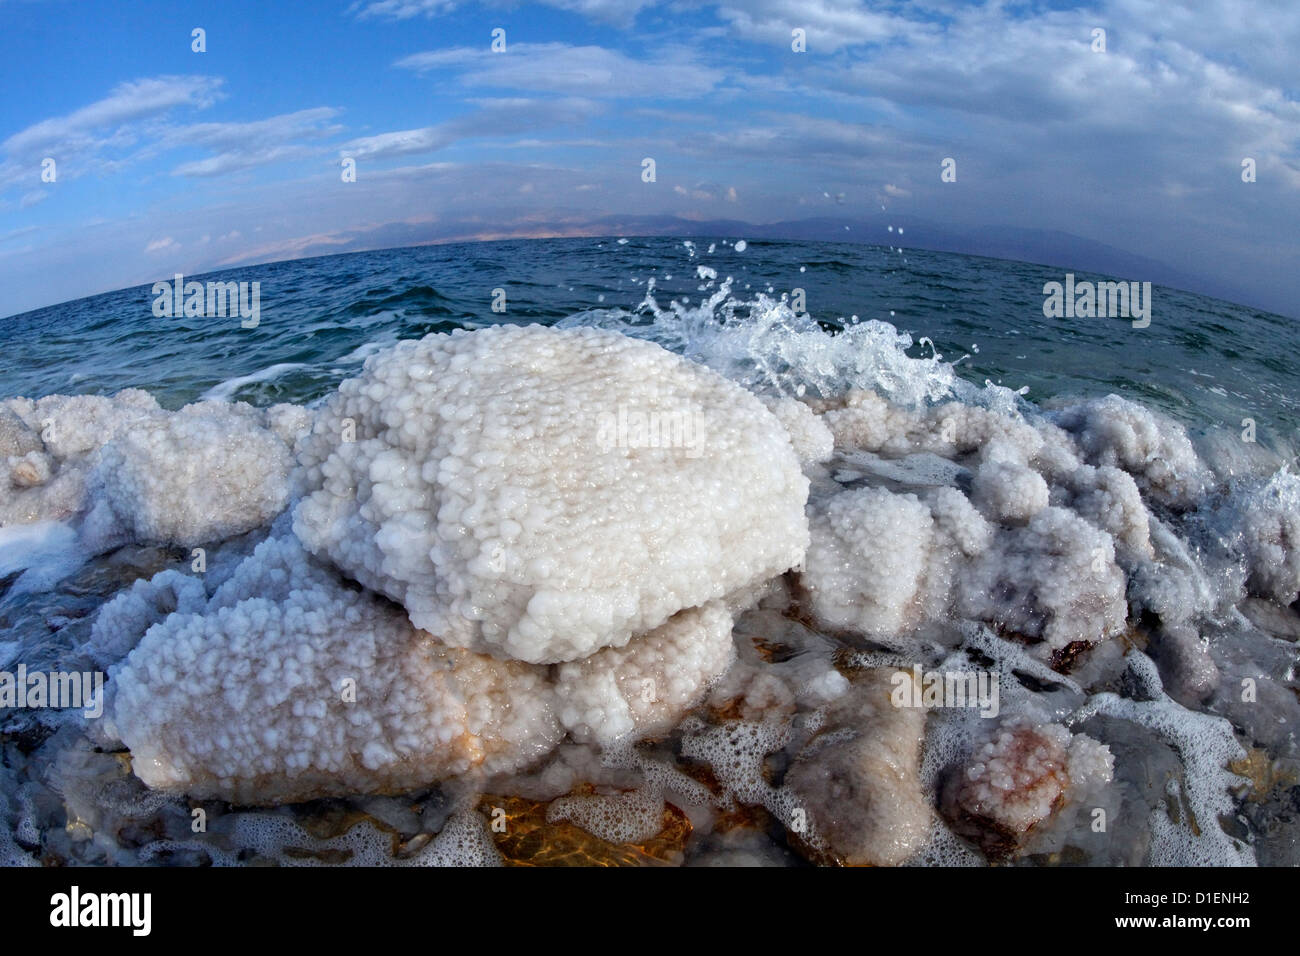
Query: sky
x=169 y=160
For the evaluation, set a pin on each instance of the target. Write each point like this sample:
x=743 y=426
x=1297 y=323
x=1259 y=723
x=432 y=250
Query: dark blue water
x=1205 y=361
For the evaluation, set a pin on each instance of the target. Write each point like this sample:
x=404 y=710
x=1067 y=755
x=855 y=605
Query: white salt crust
x=643 y=688
x=132 y=472
x=811 y=439
x=316 y=690
x=497 y=490
x=1058 y=521
x=1024 y=771
x=191 y=478
x=288 y=684
x=1056 y=516
x=1270 y=527
x=1154 y=450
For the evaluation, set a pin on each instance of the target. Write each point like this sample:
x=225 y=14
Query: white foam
x=225 y=391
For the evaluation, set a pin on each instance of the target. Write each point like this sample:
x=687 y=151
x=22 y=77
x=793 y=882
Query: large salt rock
x=290 y=683
x=540 y=493
x=316 y=690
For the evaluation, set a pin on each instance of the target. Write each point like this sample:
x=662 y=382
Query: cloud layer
x=1139 y=145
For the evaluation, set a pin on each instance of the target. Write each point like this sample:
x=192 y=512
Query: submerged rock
x=1019 y=777
x=859 y=778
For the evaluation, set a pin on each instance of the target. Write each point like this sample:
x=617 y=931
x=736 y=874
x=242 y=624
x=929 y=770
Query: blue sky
x=171 y=161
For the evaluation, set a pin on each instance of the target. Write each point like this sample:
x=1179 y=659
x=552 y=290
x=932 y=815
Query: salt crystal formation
x=482 y=489
x=1018 y=778
x=506 y=555
x=497 y=490
x=318 y=689
x=140 y=473
x=1034 y=550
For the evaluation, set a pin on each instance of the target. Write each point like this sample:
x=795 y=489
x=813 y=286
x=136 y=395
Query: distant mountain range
x=1045 y=247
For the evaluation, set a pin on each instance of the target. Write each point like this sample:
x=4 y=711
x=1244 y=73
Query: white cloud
x=562 y=68
x=84 y=129
x=402 y=9
x=249 y=144
x=493 y=118
x=829 y=25
x=397 y=143
x=617 y=12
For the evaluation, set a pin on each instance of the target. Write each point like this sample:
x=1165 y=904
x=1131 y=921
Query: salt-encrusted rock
x=864 y=421
x=866 y=565
x=1009 y=492
x=121 y=622
x=1108 y=498
x=1017 y=778
x=16 y=437
x=881 y=562
x=71 y=425
x=649 y=685
x=329 y=691
x=859 y=779
x=811 y=439
x=1270 y=532
x=1054 y=581
x=1154 y=450
x=511 y=488
x=29 y=470
x=288 y=684
x=203 y=474
x=136 y=473
x=1186 y=667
